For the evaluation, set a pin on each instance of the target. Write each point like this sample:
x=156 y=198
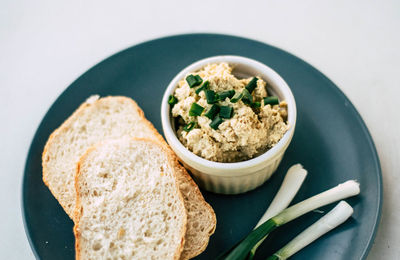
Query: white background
x=45 y=45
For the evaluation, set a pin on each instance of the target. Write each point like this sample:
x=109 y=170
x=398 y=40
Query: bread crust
x=49 y=142
x=186 y=254
x=78 y=206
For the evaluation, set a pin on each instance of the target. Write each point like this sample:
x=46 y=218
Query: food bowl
x=236 y=177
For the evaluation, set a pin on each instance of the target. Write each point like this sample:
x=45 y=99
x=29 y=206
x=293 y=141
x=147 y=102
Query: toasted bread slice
x=111 y=118
x=128 y=202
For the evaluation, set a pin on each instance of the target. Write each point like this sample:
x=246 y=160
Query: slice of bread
x=128 y=202
x=114 y=117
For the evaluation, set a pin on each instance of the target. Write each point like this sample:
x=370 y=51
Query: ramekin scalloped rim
x=217 y=176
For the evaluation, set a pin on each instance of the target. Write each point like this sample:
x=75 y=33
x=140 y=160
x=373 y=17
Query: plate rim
x=330 y=83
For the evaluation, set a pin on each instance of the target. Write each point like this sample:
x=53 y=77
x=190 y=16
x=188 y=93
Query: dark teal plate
x=331 y=141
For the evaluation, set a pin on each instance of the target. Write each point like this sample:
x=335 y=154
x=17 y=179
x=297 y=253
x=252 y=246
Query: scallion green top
x=256 y=104
x=194 y=80
x=216 y=122
x=203 y=87
x=238 y=96
x=226 y=112
x=189 y=126
x=223 y=95
x=172 y=100
x=272 y=100
x=211 y=97
x=196 y=110
x=212 y=112
x=247 y=97
x=252 y=85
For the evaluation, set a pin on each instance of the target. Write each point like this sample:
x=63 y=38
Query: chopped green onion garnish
x=256 y=104
x=247 y=97
x=212 y=112
x=226 y=112
x=252 y=85
x=203 y=87
x=273 y=100
x=199 y=79
x=172 y=100
x=189 y=126
x=193 y=81
x=211 y=97
x=238 y=96
x=223 y=95
x=196 y=110
x=216 y=122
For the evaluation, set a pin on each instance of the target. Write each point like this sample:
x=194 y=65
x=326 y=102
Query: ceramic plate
x=331 y=141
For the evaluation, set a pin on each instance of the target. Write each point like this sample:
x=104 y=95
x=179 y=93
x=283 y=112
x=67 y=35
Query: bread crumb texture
x=129 y=203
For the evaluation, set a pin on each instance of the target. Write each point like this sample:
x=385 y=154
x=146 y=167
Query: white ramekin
x=238 y=177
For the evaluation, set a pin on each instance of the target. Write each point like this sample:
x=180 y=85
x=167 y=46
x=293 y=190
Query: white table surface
x=45 y=45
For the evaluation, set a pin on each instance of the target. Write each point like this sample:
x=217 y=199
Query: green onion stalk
x=331 y=220
x=290 y=186
x=342 y=191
